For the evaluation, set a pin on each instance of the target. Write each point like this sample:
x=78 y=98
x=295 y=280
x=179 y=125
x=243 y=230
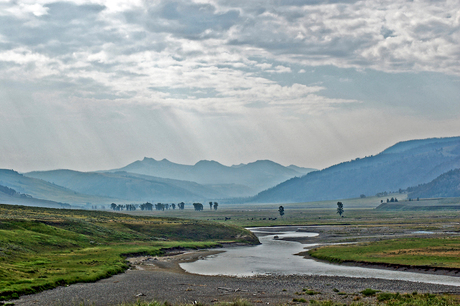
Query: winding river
x=275 y=256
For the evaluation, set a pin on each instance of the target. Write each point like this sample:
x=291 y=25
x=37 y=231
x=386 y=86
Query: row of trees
x=160 y=206
x=392 y=200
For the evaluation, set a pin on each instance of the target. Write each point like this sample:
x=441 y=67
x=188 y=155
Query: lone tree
x=198 y=206
x=215 y=205
x=210 y=205
x=281 y=210
x=340 y=208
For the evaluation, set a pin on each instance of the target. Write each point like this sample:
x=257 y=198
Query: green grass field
x=359 y=212
x=428 y=252
x=42 y=248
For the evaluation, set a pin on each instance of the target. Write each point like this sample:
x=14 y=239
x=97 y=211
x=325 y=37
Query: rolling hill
x=405 y=164
x=447 y=185
x=134 y=187
x=11 y=196
x=256 y=176
x=41 y=189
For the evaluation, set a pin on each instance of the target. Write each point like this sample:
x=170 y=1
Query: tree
x=181 y=205
x=215 y=205
x=281 y=210
x=340 y=208
x=173 y=206
x=198 y=206
x=210 y=205
x=113 y=206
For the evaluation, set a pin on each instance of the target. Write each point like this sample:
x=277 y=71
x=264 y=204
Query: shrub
x=369 y=292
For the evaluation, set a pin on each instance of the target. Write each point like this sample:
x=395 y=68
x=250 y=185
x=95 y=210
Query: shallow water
x=276 y=256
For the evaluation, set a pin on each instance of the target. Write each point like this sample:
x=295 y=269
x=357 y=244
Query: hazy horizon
x=158 y=160
x=95 y=84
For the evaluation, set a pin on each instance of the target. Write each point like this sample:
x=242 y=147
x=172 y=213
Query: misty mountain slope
x=445 y=185
x=41 y=189
x=403 y=165
x=205 y=190
x=10 y=196
x=129 y=186
x=301 y=170
x=257 y=176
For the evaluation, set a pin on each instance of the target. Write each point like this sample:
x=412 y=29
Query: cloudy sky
x=91 y=85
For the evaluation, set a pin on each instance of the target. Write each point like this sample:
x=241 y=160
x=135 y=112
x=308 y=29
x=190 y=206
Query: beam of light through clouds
x=97 y=84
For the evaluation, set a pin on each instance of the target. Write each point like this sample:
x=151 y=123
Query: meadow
x=412 y=252
x=428 y=238
x=42 y=248
x=359 y=212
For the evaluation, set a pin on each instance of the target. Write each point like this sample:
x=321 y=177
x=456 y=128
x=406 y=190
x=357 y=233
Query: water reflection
x=276 y=256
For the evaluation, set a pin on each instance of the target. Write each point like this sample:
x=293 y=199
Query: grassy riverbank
x=422 y=238
x=43 y=248
x=422 y=252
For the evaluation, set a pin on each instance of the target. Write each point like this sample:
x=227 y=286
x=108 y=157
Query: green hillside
x=41 y=248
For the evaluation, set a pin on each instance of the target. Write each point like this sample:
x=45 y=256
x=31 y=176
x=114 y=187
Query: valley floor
x=162 y=279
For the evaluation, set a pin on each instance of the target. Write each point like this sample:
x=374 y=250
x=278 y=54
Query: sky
x=97 y=84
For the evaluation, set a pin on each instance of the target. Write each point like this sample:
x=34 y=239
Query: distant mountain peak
x=255 y=176
x=207 y=162
x=238 y=166
x=148 y=159
x=263 y=161
x=9 y=171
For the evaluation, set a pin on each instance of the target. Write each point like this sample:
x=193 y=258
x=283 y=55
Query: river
x=276 y=256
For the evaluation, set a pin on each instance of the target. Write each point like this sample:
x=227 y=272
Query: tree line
x=160 y=206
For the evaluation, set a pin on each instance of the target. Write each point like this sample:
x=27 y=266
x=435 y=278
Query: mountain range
x=129 y=186
x=151 y=180
x=424 y=163
x=257 y=176
x=403 y=165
